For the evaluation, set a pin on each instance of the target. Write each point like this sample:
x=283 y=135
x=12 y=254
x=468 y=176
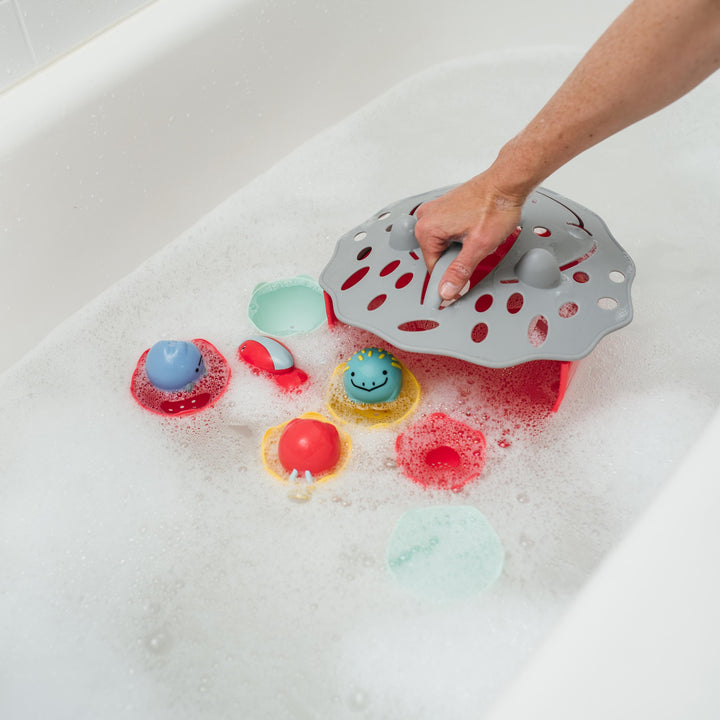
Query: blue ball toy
x=373 y=375
x=173 y=365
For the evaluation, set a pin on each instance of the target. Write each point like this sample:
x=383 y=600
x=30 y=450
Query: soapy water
x=152 y=567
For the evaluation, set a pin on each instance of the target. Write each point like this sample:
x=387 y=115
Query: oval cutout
x=607 y=303
x=515 y=303
x=403 y=281
x=360 y=236
x=483 y=303
x=389 y=268
x=376 y=302
x=538 y=330
x=581 y=277
x=568 y=310
x=541 y=231
x=479 y=333
x=364 y=253
x=616 y=276
x=355 y=278
x=418 y=325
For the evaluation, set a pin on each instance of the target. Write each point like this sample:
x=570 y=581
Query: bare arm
x=655 y=52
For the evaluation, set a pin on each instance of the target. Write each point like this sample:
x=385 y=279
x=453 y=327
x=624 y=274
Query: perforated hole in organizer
x=607 y=303
x=403 y=281
x=376 y=302
x=581 y=277
x=418 y=325
x=479 y=332
x=538 y=330
x=568 y=310
x=355 y=278
x=389 y=268
x=515 y=303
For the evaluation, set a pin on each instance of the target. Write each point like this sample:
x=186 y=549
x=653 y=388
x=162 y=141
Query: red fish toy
x=270 y=357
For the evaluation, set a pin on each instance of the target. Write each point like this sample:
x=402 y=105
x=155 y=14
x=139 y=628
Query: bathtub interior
x=153 y=567
x=130 y=139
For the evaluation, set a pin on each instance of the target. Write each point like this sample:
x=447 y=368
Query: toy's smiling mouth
x=374 y=387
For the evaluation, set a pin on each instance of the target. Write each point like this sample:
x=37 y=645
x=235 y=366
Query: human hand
x=476 y=213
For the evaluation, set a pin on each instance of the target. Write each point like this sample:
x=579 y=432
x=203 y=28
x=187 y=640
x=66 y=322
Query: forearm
x=654 y=53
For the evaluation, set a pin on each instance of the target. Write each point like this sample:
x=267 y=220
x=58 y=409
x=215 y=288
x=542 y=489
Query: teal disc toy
x=445 y=552
x=287 y=307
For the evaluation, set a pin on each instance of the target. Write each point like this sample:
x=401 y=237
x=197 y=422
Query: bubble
x=358 y=700
x=158 y=643
x=526 y=542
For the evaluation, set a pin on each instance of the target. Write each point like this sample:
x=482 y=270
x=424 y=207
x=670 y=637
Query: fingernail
x=448 y=291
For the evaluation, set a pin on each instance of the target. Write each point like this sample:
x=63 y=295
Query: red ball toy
x=309 y=445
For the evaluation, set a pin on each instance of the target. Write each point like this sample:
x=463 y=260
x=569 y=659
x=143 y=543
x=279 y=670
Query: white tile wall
x=35 y=32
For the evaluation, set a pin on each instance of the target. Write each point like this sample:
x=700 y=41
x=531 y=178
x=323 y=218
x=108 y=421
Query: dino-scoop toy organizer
x=550 y=291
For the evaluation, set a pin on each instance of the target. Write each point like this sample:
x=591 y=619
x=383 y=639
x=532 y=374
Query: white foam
x=154 y=565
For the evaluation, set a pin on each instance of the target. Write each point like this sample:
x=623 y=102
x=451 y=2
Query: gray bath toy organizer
x=562 y=284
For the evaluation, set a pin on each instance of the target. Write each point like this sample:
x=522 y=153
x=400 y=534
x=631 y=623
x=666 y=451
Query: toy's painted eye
x=352 y=374
x=384 y=372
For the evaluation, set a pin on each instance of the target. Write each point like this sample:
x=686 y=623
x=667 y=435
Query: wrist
x=519 y=168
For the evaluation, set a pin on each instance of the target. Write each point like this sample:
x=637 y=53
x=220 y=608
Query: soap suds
x=154 y=568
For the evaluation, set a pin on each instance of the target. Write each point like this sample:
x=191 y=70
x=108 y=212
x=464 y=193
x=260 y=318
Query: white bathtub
x=112 y=152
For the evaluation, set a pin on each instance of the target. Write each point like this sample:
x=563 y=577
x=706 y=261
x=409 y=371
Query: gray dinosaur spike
x=562 y=285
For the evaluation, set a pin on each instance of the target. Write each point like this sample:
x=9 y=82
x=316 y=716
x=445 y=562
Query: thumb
x=460 y=270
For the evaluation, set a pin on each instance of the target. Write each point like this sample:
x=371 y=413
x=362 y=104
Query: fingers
x=475 y=214
x=432 y=239
x=432 y=252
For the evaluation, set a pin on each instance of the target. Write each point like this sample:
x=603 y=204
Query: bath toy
x=373 y=375
x=551 y=291
x=308 y=448
x=288 y=306
x=440 y=452
x=444 y=553
x=189 y=395
x=272 y=358
x=174 y=365
x=348 y=400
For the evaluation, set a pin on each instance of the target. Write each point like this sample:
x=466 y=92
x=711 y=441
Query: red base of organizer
x=564 y=369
